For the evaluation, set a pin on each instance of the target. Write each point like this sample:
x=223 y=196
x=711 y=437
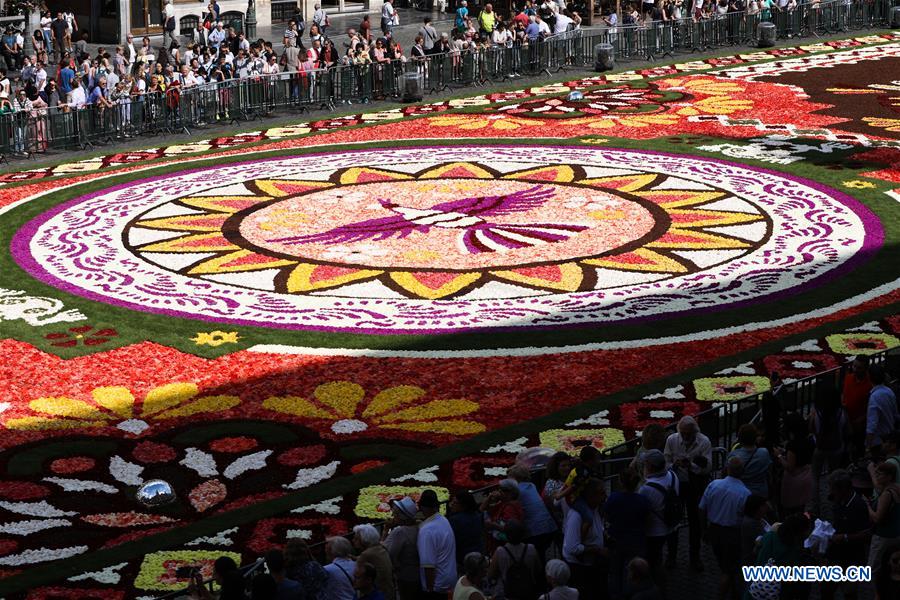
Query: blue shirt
x=881 y=416
x=96 y=94
x=340 y=579
x=288 y=589
x=66 y=77
x=533 y=31
x=756 y=469
x=724 y=501
x=538 y=519
x=461 y=13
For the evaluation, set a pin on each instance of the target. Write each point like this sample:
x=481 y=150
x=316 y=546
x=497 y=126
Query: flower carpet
x=292 y=327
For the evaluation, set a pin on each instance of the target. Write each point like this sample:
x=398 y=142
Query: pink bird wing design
x=488 y=206
x=371 y=229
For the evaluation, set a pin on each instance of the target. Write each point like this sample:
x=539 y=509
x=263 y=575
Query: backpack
x=673 y=507
x=519 y=582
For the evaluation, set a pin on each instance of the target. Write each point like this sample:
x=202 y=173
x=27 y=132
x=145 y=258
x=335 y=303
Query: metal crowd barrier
x=256 y=97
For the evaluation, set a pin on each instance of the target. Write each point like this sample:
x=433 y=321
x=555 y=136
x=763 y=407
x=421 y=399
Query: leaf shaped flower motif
x=116 y=406
x=403 y=407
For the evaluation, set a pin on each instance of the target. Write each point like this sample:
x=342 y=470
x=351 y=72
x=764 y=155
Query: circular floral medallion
x=420 y=240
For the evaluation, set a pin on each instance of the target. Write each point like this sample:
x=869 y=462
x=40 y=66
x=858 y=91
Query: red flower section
x=8 y=546
x=798 y=366
x=133 y=157
x=894 y=323
x=22 y=490
x=302 y=456
x=883 y=156
x=469 y=473
x=73 y=464
x=250 y=500
x=136 y=535
x=153 y=452
x=270 y=533
x=367 y=465
x=637 y=415
x=85 y=335
x=233 y=445
x=424 y=109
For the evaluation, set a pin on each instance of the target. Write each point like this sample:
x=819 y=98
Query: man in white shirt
x=437 y=550
x=689 y=454
x=583 y=543
x=40 y=77
x=543 y=28
x=112 y=78
x=659 y=482
x=130 y=52
x=339 y=569
x=562 y=23
x=78 y=98
x=243 y=43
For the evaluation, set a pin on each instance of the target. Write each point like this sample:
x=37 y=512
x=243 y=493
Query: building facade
x=109 y=21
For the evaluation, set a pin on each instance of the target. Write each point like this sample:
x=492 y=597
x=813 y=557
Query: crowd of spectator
x=61 y=73
x=569 y=538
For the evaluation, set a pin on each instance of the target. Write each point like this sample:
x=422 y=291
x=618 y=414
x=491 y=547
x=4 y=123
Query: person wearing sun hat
x=401 y=535
x=437 y=549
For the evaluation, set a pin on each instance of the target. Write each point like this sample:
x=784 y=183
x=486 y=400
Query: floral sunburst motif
x=403 y=407
x=551 y=247
x=116 y=406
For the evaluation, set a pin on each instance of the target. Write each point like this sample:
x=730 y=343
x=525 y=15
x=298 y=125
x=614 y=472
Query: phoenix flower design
x=470 y=215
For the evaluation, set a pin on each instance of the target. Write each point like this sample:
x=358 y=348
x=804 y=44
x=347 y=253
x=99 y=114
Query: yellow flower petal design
x=453 y=121
x=167 y=396
x=448 y=427
x=647 y=120
x=436 y=409
x=115 y=398
x=391 y=398
x=68 y=407
x=41 y=423
x=294 y=405
x=201 y=405
x=342 y=396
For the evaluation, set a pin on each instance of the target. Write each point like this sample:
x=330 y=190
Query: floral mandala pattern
x=514 y=240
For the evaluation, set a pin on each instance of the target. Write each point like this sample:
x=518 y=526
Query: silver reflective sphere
x=535 y=458
x=575 y=95
x=155 y=493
